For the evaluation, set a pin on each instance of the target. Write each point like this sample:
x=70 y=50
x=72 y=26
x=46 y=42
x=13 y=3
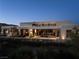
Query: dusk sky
x=16 y=11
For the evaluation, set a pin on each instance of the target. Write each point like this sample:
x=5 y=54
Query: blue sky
x=16 y=11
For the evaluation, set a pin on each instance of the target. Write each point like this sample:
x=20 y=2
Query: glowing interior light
x=30 y=30
x=35 y=30
x=7 y=31
x=63 y=37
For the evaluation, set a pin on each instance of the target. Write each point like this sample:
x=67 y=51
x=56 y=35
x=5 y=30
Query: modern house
x=7 y=29
x=49 y=30
x=41 y=30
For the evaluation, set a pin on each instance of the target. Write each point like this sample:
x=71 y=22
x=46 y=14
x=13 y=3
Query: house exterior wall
x=31 y=28
x=63 y=26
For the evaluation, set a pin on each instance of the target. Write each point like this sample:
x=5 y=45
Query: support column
x=35 y=32
x=63 y=34
x=30 y=32
x=56 y=33
x=2 y=31
x=7 y=31
x=24 y=31
x=10 y=32
x=19 y=32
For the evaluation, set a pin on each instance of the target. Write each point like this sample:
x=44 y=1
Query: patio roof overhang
x=50 y=27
